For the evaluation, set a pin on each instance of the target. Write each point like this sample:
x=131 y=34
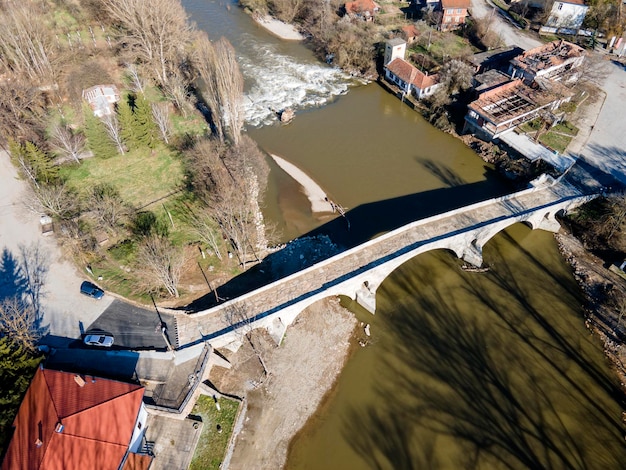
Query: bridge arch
x=357 y=273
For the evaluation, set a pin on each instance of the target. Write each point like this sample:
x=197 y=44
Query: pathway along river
x=464 y=370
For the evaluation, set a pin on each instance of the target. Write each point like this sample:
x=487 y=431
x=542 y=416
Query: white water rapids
x=280 y=82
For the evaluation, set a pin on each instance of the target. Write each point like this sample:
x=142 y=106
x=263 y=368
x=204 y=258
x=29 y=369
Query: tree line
x=168 y=70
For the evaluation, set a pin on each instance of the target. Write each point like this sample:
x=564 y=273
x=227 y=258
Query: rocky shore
x=300 y=373
x=604 y=292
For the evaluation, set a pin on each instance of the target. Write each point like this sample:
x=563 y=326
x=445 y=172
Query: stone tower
x=394 y=49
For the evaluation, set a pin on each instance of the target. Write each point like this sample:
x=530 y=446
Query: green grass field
x=212 y=444
x=142 y=177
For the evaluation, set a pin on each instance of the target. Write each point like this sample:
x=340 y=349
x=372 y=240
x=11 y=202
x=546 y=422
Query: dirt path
x=301 y=371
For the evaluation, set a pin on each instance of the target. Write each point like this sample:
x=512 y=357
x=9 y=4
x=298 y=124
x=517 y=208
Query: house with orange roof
x=404 y=75
x=410 y=80
x=453 y=14
x=68 y=421
x=362 y=9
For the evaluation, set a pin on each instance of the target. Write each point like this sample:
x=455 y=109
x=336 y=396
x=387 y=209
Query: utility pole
x=163 y=327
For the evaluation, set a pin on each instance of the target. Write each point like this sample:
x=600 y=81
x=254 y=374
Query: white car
x=101 y=340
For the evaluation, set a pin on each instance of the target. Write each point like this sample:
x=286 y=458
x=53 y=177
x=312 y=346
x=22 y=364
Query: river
x=463 y=370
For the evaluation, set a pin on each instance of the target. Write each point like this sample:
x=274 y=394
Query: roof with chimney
x=68 y=421
x=410 y=74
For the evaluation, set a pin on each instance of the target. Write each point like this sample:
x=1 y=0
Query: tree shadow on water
x=484 y=383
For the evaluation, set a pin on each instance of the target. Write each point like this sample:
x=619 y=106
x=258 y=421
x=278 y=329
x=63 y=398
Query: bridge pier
x=366 y=298
x=473 y=254
x=547 y=222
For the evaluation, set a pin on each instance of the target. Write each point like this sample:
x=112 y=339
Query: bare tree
x=68 y=143
x=53 y=199
x=137 y=83
x=26 y=45
x=207 y=230
x=114 y=131
x=456 y=76
x=161 y=115
x=156 y=30
x=163 y=261
x=22 y=109
x=288 y=10
x=218 y=68
x=225 y=181
x=18 y=321
x=176 y=90
x=107 y=205
x=240 y=320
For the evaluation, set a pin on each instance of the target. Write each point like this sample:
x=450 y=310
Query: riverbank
x=278 y=28
x=604 y=292
x=301 y=372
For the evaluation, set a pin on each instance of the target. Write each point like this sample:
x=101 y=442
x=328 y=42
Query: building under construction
x=556 y=60
x=504 y=107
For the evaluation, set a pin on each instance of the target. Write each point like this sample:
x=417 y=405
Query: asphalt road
x=511 y=35
x=134 y=327
x=606 y=146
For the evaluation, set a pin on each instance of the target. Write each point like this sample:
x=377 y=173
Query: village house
x=504 y=107
x=102 y=99
x=453 y=14
x=362 y=9
x=556 y=60
x=566 y=17
x=71 y=422
x=410 y=33
x=408 y=79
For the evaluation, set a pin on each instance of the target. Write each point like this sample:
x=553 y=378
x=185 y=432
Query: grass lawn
x=557 y=138
x=140 y=177
x=212 y=444
x=555 y=141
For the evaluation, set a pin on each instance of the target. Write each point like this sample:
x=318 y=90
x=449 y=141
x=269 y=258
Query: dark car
x=92 y=290
x=100 y=340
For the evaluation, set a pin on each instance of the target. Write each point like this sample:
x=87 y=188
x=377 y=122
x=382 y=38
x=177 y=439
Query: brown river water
x=463 y=370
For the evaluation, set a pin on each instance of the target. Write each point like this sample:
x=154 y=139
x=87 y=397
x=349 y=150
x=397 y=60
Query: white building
x=101 y=99
x=565 y=17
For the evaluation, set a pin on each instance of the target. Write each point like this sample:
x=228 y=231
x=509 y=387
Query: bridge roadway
x=359 y=271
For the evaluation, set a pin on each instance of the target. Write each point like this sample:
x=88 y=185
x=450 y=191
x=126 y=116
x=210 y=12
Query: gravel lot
x=64 y=309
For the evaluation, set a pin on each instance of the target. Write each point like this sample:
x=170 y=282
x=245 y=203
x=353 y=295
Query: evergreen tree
x=45 y=169
x=126 y=116
x=146 y=130
x=98 y=140
x=34 y=163
x=17 y=367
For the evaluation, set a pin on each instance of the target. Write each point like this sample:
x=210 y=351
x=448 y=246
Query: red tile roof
x=455 y=4
x=359 y=6
x=406 y=72
x=61 y=425
x=410 y=31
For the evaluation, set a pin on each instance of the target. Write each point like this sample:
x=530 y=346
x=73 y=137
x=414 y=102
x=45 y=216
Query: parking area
x=136 y=328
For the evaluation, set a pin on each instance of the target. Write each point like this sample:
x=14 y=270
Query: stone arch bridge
x=359 y=272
